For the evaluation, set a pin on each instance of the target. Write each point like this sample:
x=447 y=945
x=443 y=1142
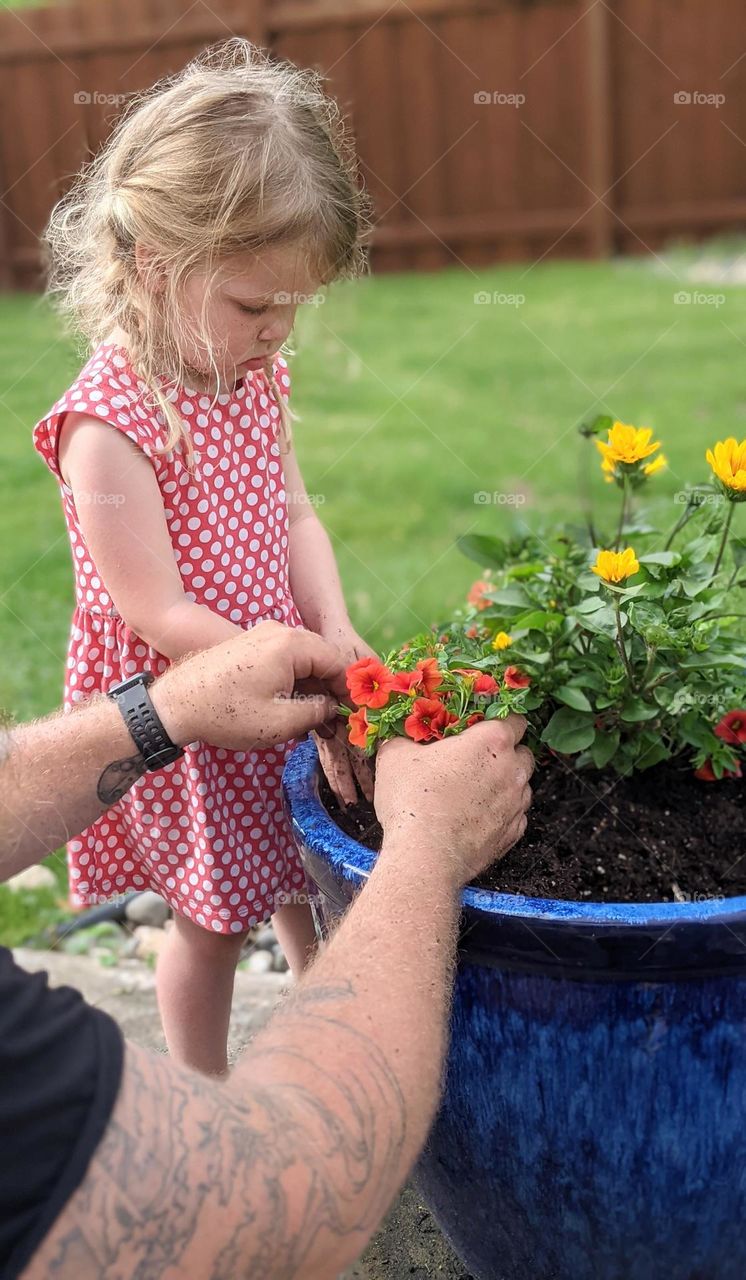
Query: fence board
x=451 y=179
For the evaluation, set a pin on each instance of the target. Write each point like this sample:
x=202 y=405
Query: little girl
x=223 y=198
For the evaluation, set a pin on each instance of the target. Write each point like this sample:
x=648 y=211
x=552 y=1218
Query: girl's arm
x=121 y=514
x=317 y=591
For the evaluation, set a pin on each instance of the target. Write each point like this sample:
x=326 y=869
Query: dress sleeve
x=114 y=403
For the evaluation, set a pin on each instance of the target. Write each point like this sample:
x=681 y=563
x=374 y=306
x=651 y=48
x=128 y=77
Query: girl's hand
x=350 y=644
x=341 y=763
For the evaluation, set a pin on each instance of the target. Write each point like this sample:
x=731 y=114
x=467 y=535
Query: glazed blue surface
x=593 y=1124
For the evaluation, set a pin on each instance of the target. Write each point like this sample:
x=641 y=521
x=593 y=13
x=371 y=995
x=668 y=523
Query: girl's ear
x=149 y=275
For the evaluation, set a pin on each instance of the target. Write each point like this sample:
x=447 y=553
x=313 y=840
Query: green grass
x=413 y=398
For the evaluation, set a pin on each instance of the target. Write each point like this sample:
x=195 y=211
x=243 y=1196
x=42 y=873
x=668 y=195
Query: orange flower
x=369 y=682
x=476 y=595
x=515 y=679
x=706 y=773
x=359 y=728
x=432 y=676
x=472 y=633
x=483 y=683
x=428 y=720
x=476 y=716
x=732 y=727
x=425 y=678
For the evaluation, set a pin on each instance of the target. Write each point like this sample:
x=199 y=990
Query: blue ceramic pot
x=593 y=1125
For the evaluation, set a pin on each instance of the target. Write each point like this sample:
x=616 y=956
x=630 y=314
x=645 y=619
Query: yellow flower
x=626 y=444
x=658 y=464
x=728 y=461
x=615 y=566
x=502 y=640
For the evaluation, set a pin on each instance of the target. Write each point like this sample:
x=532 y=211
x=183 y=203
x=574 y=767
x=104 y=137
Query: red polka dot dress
x=208 y=831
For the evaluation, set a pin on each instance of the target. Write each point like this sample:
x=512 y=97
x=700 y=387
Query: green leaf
x=569 y=731
x=635 y=710
x=517 y=571
x=536 y=620
x=572 y=697
x=665 y=558
x=738 y=547
x=487 y=551
x=590 y=605
x=651 y=755
x=507 y=598
x=604 y=746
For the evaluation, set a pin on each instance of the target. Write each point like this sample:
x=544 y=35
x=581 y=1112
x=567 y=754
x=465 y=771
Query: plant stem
x=622 y=646
x=622 y=515
x=726 y=531
x=648 y=669
x=682 y=520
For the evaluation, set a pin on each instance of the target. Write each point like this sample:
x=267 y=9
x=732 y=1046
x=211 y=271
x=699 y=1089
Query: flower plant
x=622 y=651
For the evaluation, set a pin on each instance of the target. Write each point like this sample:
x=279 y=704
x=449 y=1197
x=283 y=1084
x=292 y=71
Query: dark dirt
x=656 y=836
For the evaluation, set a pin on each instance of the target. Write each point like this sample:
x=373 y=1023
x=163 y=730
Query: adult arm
x=57 y=775
x=286 y=1170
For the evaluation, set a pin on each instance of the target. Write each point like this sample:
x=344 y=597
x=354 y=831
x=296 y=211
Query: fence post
x=600 y=138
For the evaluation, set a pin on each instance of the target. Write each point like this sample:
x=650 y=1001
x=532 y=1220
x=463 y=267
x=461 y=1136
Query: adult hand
x=464 y=799
x=265 y=686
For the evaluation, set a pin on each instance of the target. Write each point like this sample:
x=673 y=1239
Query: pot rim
x=354 y=861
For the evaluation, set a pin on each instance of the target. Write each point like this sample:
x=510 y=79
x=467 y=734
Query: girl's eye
x=251 y=311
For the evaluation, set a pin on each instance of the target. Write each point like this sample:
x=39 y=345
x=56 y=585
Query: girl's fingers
x=363 y=769
x=336 y=765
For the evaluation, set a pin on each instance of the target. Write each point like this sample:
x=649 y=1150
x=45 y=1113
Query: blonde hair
x=235 y=153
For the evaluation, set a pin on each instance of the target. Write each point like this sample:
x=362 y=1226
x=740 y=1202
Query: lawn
x=414 y=398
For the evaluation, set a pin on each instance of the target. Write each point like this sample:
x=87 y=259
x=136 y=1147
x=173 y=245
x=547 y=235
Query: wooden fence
x=487 y=129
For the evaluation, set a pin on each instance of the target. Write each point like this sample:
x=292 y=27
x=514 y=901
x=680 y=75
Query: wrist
x=172 y=712
x=422 y=856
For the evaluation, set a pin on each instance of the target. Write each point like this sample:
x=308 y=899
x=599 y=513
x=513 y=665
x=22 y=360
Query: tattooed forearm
x=117 y=778
x=195 y=1178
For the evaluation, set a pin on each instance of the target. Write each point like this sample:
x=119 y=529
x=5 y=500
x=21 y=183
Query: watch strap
x=143 y=722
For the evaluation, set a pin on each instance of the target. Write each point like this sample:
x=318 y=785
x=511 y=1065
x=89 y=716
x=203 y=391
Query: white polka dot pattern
x=208 y=832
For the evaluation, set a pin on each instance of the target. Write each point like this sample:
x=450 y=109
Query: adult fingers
x=293 y=717
x=313 y=659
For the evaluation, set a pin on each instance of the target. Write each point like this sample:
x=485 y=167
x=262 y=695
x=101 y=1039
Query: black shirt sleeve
x=60 y=1070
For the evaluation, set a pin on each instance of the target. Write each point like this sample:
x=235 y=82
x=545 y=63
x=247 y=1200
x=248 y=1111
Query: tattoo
x=295 y=1159
x=117 y=778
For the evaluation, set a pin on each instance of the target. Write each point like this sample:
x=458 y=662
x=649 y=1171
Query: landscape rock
x=259 y=962
x=148 y=908
x=32 y=878
x=264 y=939
x=149 y=942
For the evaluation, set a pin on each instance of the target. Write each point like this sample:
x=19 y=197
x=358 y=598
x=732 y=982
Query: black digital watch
x=143 y=721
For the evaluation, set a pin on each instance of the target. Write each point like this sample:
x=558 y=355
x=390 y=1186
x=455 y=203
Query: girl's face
x=250 y=311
